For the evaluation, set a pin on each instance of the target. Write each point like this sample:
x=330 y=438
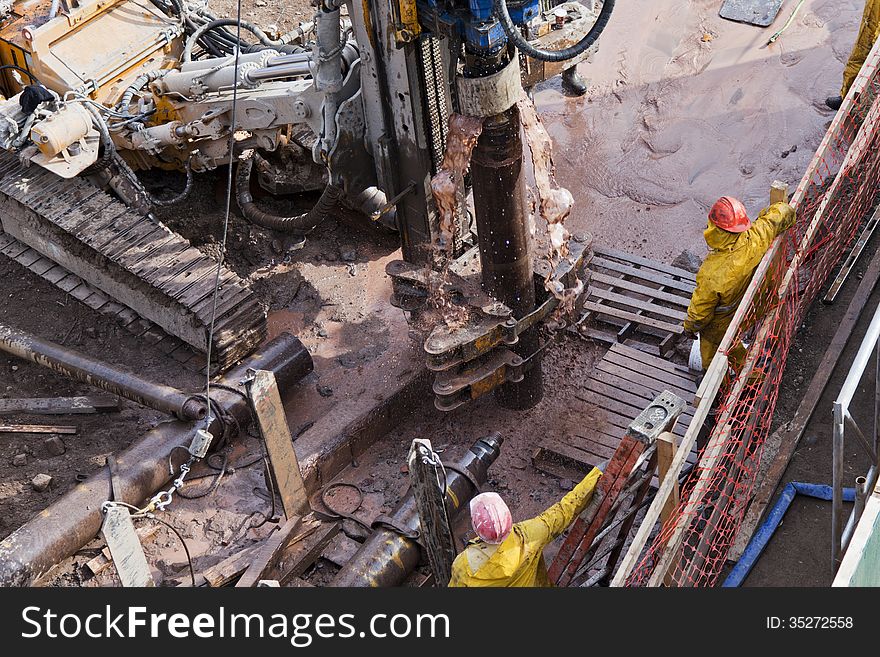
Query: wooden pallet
x=636 y=301
x=621 y=386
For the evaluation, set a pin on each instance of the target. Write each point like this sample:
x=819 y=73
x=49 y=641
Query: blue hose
x=765 y=532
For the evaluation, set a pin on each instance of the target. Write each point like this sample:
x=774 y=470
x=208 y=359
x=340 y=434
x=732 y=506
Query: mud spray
x=554 y=205
x=447 y=187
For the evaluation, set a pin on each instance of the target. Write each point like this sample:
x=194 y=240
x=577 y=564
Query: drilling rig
x=356 y=103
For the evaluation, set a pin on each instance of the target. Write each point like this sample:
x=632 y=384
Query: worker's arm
x=555 y=520
x=701 y=310
x=772 y=221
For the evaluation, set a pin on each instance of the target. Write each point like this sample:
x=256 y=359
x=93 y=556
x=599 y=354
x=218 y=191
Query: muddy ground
x=682 y=107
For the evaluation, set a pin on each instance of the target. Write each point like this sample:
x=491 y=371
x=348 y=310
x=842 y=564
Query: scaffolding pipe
x=78 y=366
x=67 y=525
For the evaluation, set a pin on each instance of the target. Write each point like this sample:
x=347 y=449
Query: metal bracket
x=660 y=416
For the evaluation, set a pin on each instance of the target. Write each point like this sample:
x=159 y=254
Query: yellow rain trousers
x=868 y=33
x=725 y=274
x=519 y=560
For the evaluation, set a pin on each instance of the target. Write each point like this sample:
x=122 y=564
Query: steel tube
x=387 y=558
x=860 y=361
x=290 y=59
x=500 y=210
x=72 y=521
x=78 y=366
x=837 y=485
x=283 y=71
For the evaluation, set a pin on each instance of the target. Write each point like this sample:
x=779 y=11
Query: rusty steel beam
x=388 y=557
x=78 y=366
x=67 y=525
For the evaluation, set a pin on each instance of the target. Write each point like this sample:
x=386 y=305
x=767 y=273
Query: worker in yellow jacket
x=869 y=31
x=508 y=555
x=736 y=246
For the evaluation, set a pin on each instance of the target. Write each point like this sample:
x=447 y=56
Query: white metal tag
x=125 y=548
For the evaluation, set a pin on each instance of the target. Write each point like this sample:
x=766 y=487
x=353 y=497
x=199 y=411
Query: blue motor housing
x=474 y=21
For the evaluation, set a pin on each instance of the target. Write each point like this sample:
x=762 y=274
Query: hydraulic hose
x=296 y=224
x=225 y=22
x=514 y=35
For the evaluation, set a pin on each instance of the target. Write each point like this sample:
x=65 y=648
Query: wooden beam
x=632 y=317
x=59 y=405
x=665 y=454
x=790 y=433
x=269 y=411
x=36 y=428
x=299 y=557
x=223 y=572
x=269 y=554
x=778 y=192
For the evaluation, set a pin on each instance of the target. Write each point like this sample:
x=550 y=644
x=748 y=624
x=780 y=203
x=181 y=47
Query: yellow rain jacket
x=519 y=560
x=725 y=274
x=868 y=33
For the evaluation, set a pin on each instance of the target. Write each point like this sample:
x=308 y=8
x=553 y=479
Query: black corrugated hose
x=296 y=224
x=565 y=54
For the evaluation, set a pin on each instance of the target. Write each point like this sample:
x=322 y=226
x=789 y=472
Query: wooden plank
x=269 y=553
x=576 y=454
x=222 y=573
x=632 y=317
x=646 y=262
x=103 y=561
x=269 y=412
x=631 y=286
x=614 y=381
x=60 y=405
x=654 y=361
x=36 y=428
x=651 y=384
x=789 y=434
x=632 y=302
x=300 y=556
x=612 y=404
x=642 y=274
x=664 y=377
x=665 y=453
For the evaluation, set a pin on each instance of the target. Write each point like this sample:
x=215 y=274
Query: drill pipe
x=386 y=558
x=71 y=522
x=499 y=207
x=80 y=367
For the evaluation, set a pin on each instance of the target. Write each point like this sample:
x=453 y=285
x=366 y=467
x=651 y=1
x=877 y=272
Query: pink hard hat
x=490 y=517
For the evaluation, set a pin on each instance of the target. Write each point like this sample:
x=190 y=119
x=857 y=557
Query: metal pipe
x=80 y=367
x=293 y=58
x=386 y=558
x=837 y=485
x=273 y=72
x=499 y=206
x=860 y=361
x=72 y=521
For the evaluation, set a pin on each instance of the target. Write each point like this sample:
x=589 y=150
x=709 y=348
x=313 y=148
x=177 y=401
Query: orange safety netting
x=835 y=197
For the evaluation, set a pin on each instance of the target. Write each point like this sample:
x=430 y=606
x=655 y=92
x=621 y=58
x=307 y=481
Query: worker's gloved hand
x=690 y=335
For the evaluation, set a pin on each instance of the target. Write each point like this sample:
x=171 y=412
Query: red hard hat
x=730 y=215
